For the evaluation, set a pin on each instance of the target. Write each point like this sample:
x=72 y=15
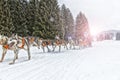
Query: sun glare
x=94 y=31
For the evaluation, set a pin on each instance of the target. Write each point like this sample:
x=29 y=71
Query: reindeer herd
x=16 y=43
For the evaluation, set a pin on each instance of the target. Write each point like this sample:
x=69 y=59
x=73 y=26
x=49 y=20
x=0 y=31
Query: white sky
x=101 y=14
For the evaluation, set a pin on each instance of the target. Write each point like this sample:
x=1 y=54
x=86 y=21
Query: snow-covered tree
x=82 y=26
x=67 y=22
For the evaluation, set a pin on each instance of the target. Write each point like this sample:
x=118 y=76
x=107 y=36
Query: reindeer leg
x=48 y=49
x=28 y=50
x=66 y=46
x=59 y=48
x=17 y=54
x=43 y=49
x=3 y=55
x=73 y=46
x=15 y=57
x=38 y=47
x=79 y=47
x=70 y=46
x=54 y=48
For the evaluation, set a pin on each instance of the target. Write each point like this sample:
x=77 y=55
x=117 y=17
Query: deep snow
x=101 y=62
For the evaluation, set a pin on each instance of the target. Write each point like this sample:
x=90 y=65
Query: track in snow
x=101 y=62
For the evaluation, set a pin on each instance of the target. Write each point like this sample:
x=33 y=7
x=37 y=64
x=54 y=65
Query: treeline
x=82 y=30
x=42 y=18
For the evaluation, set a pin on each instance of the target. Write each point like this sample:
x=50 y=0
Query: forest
x=40 y=18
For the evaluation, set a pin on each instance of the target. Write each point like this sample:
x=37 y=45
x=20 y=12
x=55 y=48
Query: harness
x=6 y=46
x=59 y=42
x=43 y=44
x=23 y=43
x=32 y=40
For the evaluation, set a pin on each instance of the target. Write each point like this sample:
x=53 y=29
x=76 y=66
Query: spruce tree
x=70 y=23
x=22 y=28
x=1 y=15
x=82 y=27
x=67 y=22
x=18 y=10
x=31 y=16
x=63 y=14
x=47 y=19
x=6 y=24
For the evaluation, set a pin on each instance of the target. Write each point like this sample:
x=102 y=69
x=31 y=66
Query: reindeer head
x=3 y=40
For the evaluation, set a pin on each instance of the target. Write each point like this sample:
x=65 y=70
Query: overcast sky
x=100 y=13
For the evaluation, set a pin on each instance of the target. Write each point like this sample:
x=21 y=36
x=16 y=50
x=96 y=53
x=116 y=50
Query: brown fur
x=59 y=43
x=45 y=43
x=12 y=46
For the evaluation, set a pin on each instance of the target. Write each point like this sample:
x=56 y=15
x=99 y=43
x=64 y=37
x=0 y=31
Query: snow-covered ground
x=101 y=62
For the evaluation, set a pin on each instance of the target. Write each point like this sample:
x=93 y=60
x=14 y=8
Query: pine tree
x=31 y=16
x=70 y=23
x=14 y=13
x=38 y=27
x=34 y=17
x=22 y=28
x=6 y=24
x=18 y=10
x=47 y=19
x=1 y=15
x=63 y=19
x=82 y=27
x=67 y=22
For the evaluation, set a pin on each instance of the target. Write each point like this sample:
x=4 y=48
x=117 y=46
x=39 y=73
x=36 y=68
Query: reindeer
x=71 y=42
x=84 y=43
x=34 y=42
x=45 y=43
x=59 y=43
x=14 y=43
